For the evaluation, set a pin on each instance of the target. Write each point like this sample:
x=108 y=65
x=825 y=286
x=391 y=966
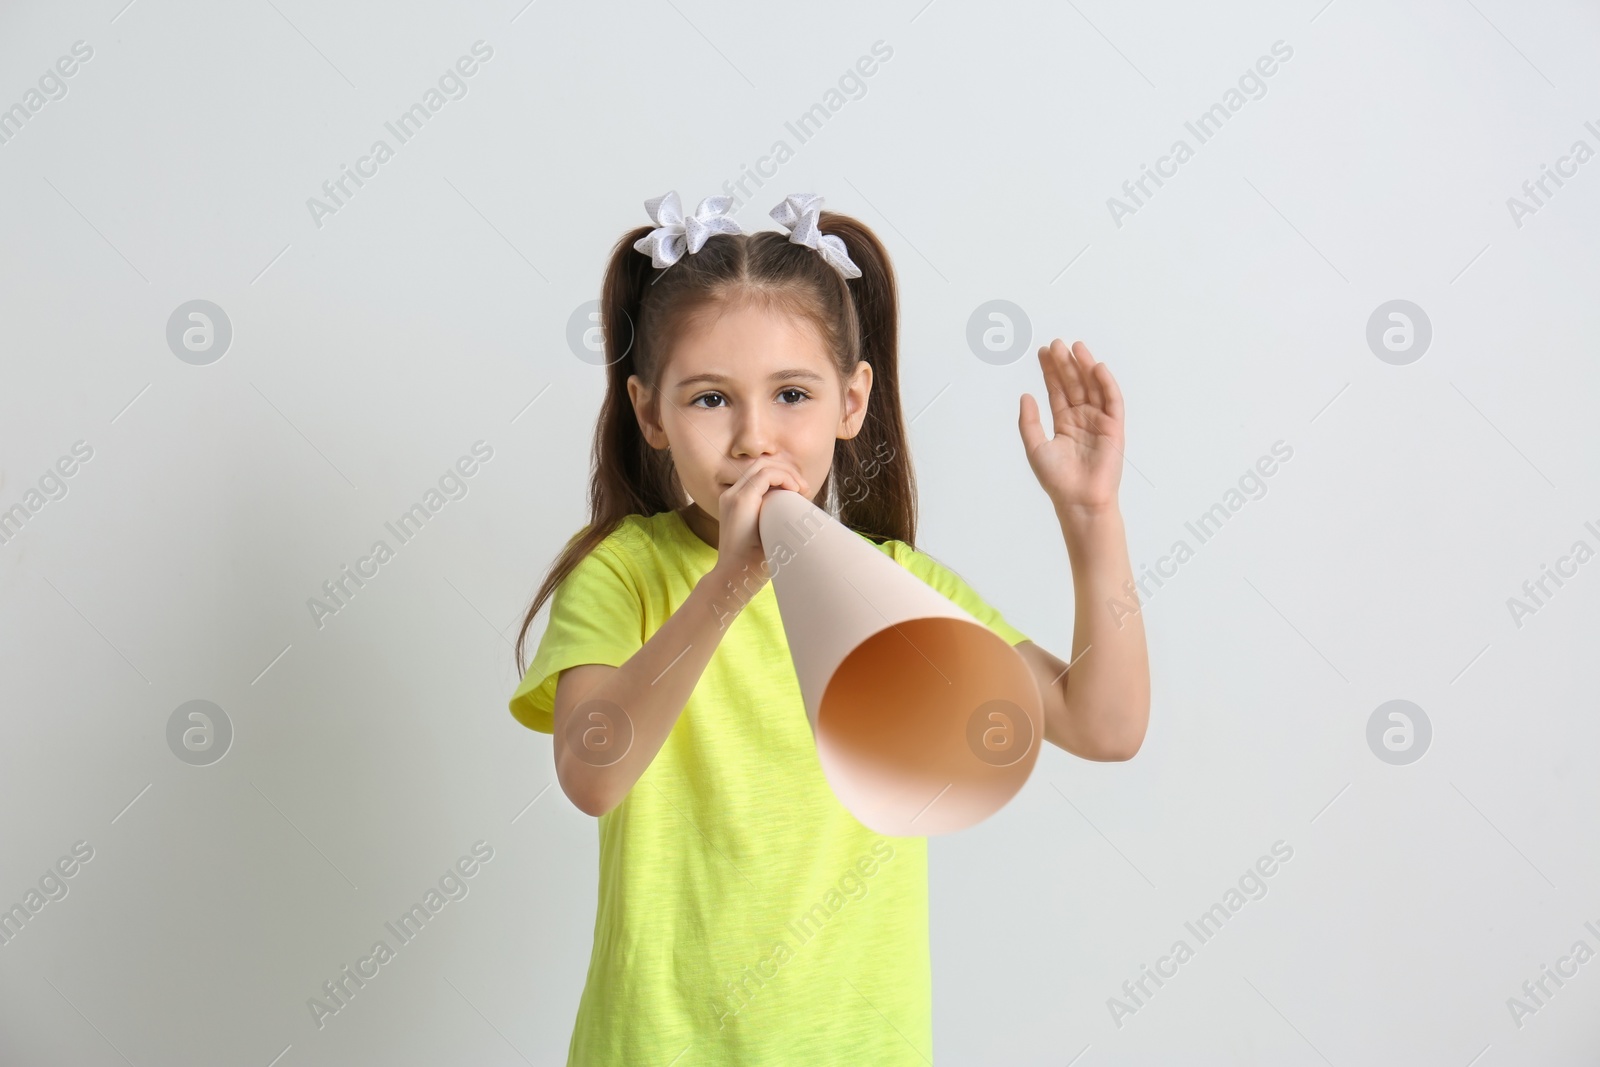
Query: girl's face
x=744 y=385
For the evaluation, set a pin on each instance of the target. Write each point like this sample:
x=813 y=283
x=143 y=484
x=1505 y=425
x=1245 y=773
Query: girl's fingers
x=792 y=479
x=1072 y=373
x=776 y=475
x=1055 y=392
x=768 y=474
x=1112 y=393
x=1102 y=388
x=760 y=475
x=1087 y=371
x=1028 y=423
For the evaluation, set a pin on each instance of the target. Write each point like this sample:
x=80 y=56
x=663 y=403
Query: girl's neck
x=704 y=526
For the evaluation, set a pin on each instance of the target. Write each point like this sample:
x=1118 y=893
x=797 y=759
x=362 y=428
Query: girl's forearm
x=1107 y=690
x=649 y=692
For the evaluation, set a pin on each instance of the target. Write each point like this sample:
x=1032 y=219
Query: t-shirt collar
x=697 y=547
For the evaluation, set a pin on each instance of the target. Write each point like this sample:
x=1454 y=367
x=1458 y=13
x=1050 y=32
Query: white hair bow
x=674 y=234
x=798 y=214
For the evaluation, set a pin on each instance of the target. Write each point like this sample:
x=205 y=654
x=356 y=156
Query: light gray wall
x=372 y=347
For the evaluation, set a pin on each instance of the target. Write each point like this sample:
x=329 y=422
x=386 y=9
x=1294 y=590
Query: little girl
x=744 y=916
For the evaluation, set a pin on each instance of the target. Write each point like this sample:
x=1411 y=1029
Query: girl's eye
x=800 y=394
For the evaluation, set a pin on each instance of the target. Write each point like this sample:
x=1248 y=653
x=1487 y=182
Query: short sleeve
x=596 y=616
x=955 y=589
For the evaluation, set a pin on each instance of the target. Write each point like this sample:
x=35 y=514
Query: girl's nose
x=753 y=437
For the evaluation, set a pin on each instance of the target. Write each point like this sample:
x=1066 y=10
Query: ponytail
x=872 y=476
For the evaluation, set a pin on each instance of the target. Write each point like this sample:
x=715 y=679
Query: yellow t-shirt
x=744 y=915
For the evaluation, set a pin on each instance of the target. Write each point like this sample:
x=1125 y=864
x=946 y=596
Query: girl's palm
x=1081 y=466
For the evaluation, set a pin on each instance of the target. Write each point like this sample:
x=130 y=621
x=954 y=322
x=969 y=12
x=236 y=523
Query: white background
x=369 y=352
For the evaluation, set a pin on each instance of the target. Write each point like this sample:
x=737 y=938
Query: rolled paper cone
x=925 y=720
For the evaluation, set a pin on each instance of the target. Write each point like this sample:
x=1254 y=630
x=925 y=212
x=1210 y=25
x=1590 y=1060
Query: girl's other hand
x=740 y=555
x=1080 y=467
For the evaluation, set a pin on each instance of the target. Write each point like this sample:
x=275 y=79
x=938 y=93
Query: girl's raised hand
x=1079 y=467
x=739 y=552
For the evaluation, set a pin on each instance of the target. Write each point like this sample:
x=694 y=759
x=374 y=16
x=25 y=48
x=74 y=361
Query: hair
x=644 y=311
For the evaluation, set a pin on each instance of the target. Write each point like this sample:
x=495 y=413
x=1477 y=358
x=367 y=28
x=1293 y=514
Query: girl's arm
x=632 y=708
x=1103 y=713
x=600 y=709
x=1101 y=708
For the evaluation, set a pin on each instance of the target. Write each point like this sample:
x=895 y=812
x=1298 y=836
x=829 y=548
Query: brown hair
x=643 y=312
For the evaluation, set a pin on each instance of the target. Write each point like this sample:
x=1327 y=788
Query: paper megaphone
x=926 y=721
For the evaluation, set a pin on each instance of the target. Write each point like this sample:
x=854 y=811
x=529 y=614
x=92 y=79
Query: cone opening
x=929 y=726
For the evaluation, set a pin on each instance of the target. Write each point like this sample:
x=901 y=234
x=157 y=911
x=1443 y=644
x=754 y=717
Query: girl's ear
x=858 y=389
x=644 y=410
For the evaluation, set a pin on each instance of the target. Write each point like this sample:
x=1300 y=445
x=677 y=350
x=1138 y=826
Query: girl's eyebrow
x=782 y=375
